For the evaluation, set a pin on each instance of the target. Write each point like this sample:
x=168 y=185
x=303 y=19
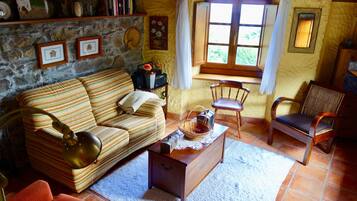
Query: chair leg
x=238 y=124
x=215 y=115
x=240 y=119
x=308 y=150
x=329 y=145
x=270 y=135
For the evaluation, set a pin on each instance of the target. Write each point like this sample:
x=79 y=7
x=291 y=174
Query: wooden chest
x=180 y=172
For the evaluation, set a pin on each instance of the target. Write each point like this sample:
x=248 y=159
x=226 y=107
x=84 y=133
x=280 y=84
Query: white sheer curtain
x=276 y=48
x=183 y=73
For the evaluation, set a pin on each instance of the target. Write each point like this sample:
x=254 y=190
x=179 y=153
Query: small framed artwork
x=158 y=32
x=52 y=54
x=89 y=47
x=304 y=30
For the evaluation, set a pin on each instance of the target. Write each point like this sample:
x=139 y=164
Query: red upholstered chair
x=38 y=191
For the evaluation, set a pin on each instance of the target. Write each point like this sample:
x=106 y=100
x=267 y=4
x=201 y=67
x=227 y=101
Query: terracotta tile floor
x=328 y=177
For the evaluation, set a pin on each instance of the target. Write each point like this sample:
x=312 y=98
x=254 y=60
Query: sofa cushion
x=152 y=108
x=45 y=152
x=302 y=122
x=48 y=142
x=105 y=89
x=112 y=139
x=137 y=126
x=67 y=100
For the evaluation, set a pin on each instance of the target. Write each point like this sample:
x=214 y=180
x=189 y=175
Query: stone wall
x=18 y=61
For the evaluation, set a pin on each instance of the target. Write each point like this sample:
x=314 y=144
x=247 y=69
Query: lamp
x=80 y=149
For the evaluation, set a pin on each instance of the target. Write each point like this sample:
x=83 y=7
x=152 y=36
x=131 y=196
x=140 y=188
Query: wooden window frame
x=231 y=68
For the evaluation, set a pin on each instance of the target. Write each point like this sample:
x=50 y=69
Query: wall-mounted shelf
x=68 y=19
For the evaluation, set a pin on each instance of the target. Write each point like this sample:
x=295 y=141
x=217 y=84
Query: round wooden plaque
x=132 y=38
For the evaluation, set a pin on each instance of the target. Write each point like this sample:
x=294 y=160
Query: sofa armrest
x=50 y=135
x=151 y=108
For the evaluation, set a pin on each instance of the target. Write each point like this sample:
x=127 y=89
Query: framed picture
x=304 y=30
x=158 y=32
x=89 y=47
x=52 y=54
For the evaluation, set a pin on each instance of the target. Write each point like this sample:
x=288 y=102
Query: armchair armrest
x=277 y=102
x=317 y=120
x=151 y=108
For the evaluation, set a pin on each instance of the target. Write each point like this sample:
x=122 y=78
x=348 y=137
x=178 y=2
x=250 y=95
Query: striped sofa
x=88 y=104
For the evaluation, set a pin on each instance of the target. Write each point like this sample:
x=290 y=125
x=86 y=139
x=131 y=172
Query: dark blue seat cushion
x=302 y=122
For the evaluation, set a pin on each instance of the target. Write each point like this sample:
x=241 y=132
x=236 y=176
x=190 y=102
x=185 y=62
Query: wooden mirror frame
x=294 y=27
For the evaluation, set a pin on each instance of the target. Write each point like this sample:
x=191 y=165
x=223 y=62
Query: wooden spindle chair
x=229 y=95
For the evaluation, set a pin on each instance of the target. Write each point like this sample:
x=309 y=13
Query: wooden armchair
x=229 y=95
x=314 y=121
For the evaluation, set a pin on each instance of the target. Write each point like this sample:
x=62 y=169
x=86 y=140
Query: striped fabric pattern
x=88 y=104
x=152 y=108
x=136 y=125
x=105 y=89
x=45 y=152
x=67 y=100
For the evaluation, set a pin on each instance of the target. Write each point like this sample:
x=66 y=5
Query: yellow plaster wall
x=296 y=69
x=340 y=19
x=166 y=57
x=200 y=94
x=294 y=72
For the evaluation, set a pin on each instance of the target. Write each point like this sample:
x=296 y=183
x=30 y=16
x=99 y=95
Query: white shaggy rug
x=248 y=173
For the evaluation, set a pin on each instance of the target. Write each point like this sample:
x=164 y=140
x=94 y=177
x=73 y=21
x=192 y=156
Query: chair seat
x=227 y=104
x=302 y=122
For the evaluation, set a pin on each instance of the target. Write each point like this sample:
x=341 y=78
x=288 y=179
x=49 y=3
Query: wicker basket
x=191 y=129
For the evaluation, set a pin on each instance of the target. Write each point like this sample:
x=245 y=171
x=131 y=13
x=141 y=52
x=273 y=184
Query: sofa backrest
x=105 y=89
x=67 y=100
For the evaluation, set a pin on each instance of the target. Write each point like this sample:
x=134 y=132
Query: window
x=234 y=35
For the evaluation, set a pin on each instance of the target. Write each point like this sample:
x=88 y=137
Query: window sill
x=216 y=77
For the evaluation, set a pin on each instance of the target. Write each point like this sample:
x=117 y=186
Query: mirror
x=304 y=30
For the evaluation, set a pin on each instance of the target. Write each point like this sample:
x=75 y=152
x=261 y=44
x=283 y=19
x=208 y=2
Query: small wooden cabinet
x=346 y=127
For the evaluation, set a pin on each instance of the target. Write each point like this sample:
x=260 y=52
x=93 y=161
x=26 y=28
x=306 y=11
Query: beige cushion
x=137 y=126
x=105 y=89
x=133 y=101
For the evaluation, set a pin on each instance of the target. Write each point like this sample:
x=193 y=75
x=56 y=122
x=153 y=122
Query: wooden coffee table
x=180 y=172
